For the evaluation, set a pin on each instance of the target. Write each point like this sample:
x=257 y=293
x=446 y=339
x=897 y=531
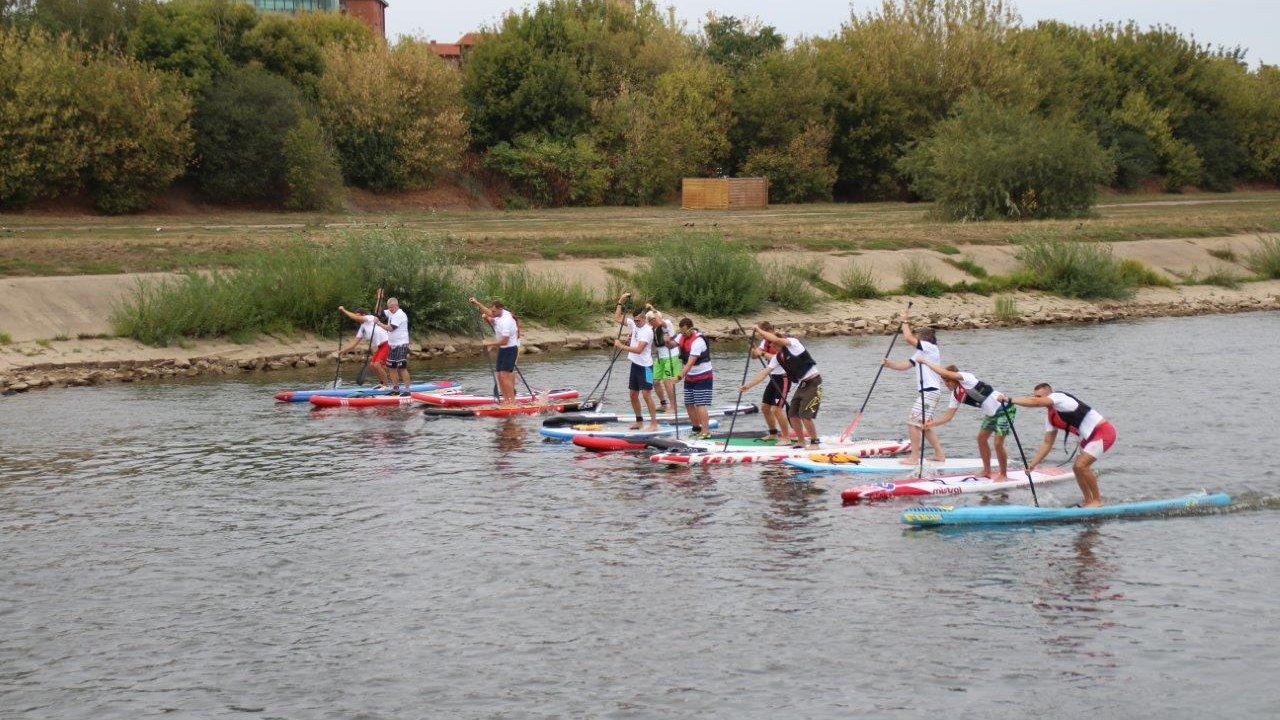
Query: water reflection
x=1077 y=597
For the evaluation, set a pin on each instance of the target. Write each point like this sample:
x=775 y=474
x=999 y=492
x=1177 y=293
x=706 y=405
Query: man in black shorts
x=802 y=372
x=774 y=403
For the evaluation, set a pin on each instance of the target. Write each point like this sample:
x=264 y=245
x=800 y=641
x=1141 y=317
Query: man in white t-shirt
x=639 y=347
x=397 y=326
x=506 y=338
x=666 y=365
x=997 y=420
x=381 y=343
x=774 y=403
x=928 y=389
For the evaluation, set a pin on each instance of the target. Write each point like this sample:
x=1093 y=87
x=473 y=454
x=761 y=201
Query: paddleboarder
x=506 y=338
x=639 y=347
x=697 y=375
x=1070 y=413
x=774 y=403
x=967 y=389
x=381 y=343
x=666 y=366
x=802 y=373
x=397 y=326
x=928 y=392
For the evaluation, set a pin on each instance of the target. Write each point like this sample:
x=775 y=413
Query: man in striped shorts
x=697 y=376
x=928 y=389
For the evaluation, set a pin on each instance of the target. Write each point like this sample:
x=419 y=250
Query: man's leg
x=1087 y=479
x=984 y=452
x=653 y=412
x=938 y=454
x=1003 y=458
x=913 y=433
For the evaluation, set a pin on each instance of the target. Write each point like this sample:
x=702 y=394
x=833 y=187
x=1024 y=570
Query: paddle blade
x=360 y=375
x=848 y=430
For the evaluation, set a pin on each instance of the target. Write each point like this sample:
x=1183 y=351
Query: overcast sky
x=1253 y=24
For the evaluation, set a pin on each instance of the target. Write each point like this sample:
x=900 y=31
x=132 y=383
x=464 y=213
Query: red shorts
x=1100 y=441
x=380 y=355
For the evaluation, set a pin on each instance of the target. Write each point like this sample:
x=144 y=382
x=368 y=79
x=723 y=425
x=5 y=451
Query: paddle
x=377 y=305
x=604 y=378
x=1004 y=408
x=493 y=369
x=848 y=430
x=337 y=370
x=920 y=368
x=786 y=427
x=746 y=367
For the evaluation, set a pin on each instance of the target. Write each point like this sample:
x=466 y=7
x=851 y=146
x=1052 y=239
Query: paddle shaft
x=617 y=353
x=364 y=369
x=746 y=367
x=920 y=368
x=786 y=428
x=1004 y=408
x=337 y=369
x=856 y=418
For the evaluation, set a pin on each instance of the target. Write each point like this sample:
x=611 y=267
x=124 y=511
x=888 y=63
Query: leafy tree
x=991 y=160
x=197 y=39
x=553 y=172
x=92 y=23
x=737 y=43
x=799 y=172
x=326 y=28
x=240 y=128
x=312 y=175
x=280 y=44
x=774 y=100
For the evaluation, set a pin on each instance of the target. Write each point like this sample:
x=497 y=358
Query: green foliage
x=1226 y=254
x=5 y=338
x=312 y=177
x=1265 y=261
x=991 y=161
x=917 y=280
x=91 y=24
x=297 y=286
x=1139 y=275
x=1219 y=275
x=240 y=130
x=738 y=43
x=340 y=29
x=967 y=265
x=776 y=100
x=197 y=39
x=857 y=283
x=798 y=173
x=788 y=286
x=545 y=299
x=702 y=273
x=550 y=172
x=280 y=45
x=1006 y=308
x=395 y=115
x=947 y=249
x=1075 y=269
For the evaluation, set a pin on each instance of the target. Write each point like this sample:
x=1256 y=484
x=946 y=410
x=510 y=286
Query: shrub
x=297 y=286
x=240 y=130
x=993 y=161
x=704 y=274
x=552 y=173
x=966 y=265
x=1265 y=261
x=1219 y=275
x=1006 y=308
x=139 y=133
x=1078 y=270
x=196 y=39
x=857 y=283
x=280 y=45
x=1135 y=272
x=800 y=172
x=917 y=280
x=789 y=287
x=312 y=178
x=395 y=115
x=545 y=299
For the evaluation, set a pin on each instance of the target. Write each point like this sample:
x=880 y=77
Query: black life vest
x=1069 y=421
x=686 y=347
x=796 y=366
x=974 y=396
x=660 y=336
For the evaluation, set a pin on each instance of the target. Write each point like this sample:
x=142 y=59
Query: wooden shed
x=724 y=193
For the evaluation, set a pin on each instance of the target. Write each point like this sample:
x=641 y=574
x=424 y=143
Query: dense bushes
x=552 y=172
x=703 y=273
x=991 y=161
x=546 y=299
x=1075 y=269
x=240 y=130
x=312 y=177
x=70 y=120
x=395 y=115
x=298 y=286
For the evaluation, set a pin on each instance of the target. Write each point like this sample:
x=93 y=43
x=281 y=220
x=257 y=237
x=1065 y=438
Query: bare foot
x=999 y=478
x=986 y=473
x=908 y=461
x=634 y=426
x=651 y=426
x=1095 y=503
x=935 y=458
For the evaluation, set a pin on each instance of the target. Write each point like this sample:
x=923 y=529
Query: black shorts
x=807 y=398
x=398 y=357
x=775 y=391
x=507 y=359
x=641 y=378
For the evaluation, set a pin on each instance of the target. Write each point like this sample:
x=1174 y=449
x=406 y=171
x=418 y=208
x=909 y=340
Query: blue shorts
x=698 y=392
x=641 y=378
x=507 y=358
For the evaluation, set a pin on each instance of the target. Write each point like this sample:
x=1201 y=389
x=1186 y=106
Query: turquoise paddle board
x=926 y=516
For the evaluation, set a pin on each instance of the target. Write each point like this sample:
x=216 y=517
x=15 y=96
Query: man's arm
x=771 y=337
x=907 y=335
x=1045 y=448
x=617 y=308
x=896 y=364
x=1030 y=401
x=755 y=380
x=942 y=419
x=484 y=311
x=945 y=373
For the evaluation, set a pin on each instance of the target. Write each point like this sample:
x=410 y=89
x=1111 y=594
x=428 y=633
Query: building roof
x=469 y=39
x=446 y=50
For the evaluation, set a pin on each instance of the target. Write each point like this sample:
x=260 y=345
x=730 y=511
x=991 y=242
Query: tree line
x=585 y=102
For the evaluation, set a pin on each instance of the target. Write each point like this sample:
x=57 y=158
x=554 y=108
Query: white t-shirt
x=698 y=347
x=397 y=319
x=925 y=376
x=776 y=370
x=794 y=347
x=505 y=325
x=379 y=335
x=1064 y=403
x=641 y=334
x=989 y=407
x=665 y=352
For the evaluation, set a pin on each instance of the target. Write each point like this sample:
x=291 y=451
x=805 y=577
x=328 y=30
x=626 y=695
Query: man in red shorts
x=381 y=343
x=1070 y=413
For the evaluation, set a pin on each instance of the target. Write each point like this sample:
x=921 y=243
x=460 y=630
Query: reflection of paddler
x=1070 y=413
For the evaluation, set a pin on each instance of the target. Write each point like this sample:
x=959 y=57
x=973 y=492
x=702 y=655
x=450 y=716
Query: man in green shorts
x=967 y=389
x=666 y=366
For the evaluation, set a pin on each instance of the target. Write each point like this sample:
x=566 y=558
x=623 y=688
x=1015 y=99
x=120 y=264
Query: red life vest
x=686 y=347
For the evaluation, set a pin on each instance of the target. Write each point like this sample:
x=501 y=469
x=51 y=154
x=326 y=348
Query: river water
x=193 y=549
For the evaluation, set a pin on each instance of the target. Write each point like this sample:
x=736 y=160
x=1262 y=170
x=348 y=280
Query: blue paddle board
x=926 y=516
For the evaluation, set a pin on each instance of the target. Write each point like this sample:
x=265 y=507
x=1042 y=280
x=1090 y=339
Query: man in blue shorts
x=639 y=347
x=506 y=338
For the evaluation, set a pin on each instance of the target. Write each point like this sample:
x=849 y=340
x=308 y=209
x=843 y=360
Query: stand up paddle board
x=1017 y=514
x=301 y=396
x=882 y=466
x=774 y=453
x=459 y=400
x=599 y=430
x=324 y=401
x=957 y=484
x=492 y=410
x=667 y=417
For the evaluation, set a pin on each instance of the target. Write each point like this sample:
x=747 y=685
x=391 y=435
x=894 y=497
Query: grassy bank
x=44 y=245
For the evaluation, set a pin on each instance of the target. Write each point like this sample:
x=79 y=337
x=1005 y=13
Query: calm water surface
x=193 y=549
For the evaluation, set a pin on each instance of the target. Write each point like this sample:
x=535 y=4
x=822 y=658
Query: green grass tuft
x=1224 y=254
x=1265 y=261
x=967 y=265
x=544 y=299
x=1006 y=308
x=917 y=280
x=1075 y=269
x=788 y=286
x=5 y=338
x=857 y=283
x=947 y=249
